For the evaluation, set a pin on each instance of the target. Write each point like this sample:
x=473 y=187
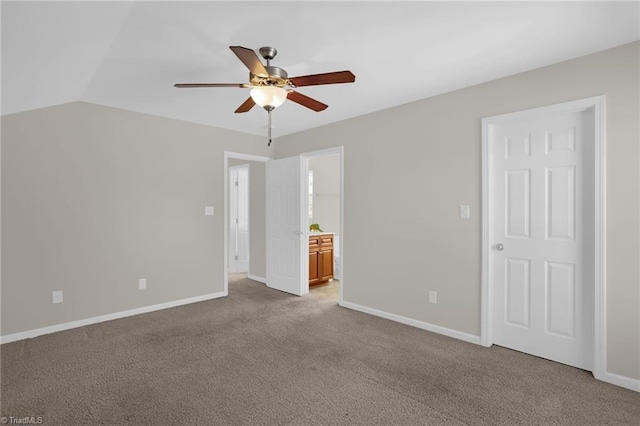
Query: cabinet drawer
x=326 y=241
x=314 y=242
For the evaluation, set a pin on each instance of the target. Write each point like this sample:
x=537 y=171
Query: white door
x=239 y=219
x=284 y=225
x=542 y=235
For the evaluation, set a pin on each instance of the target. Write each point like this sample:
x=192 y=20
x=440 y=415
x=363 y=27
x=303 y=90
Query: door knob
x=499 y=247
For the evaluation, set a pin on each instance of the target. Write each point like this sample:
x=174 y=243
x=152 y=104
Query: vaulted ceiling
x=129 y=54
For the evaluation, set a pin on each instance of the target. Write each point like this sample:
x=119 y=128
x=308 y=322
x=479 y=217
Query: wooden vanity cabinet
x=320 y=258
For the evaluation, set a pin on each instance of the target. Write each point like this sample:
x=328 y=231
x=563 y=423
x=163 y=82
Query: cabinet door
x=314 y=248
x=326 y=264
x=314 y=276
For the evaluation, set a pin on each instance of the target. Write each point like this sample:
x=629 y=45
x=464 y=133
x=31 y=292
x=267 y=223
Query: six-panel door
x=541 y=242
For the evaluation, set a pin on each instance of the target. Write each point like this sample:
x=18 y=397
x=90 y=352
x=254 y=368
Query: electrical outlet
x=433 y=297
x=142 y=284
x=464 y=212
x=208 y=210
x=57 y=297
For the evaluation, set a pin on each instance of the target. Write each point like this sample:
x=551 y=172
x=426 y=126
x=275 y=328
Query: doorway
x=543 y=233
x=248 y=243
x=322 y=173
x=239 y=219
x=287 y=213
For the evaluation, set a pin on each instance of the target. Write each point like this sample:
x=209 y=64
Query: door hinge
x=236 y=257
x=236 y=183
x=237 y=220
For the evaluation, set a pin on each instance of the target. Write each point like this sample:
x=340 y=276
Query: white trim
x=597 y=105
x=259 y=279
x=486 y=299
x=227 y=156
x=337 y=150
x=247 y=157
x=414 y=323
x=600 y=241
x=108 y=317
x=622 y=381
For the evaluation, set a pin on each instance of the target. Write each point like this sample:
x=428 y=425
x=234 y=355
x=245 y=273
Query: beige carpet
x=261 y=357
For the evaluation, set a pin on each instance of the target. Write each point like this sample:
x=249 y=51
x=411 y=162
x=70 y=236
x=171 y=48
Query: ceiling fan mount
x=268 y=52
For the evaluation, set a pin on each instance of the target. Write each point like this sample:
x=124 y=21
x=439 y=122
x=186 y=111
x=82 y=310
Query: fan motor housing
x=277 y=77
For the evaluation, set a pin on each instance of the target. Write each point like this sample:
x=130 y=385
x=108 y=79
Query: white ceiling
x=129 y=55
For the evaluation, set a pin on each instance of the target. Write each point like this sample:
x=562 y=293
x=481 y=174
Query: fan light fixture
x=268 y=97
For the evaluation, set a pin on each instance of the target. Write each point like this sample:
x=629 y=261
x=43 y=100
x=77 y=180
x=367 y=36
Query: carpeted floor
x=261 y=357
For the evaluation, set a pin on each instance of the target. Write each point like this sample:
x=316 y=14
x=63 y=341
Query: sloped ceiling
x=129 y=54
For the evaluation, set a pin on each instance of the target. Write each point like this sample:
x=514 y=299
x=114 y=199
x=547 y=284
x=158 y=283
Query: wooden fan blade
x=246 y=105
x=250 y=60
x=187 y=85
x=306 y=101
x=326 y=78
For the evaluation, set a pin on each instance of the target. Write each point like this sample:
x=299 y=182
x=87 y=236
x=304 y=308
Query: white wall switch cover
x=208 y=210
x=433 y=297
x=464 y=212
x=57 y=296
x=142 y=283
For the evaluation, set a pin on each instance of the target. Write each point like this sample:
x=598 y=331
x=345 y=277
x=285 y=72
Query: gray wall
x=94 y=198
x=407 y=169
x=326 y=192
x=257 y=218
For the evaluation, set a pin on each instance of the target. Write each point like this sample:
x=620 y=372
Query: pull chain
x=269 y=112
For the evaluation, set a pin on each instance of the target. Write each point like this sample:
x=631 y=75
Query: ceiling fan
x=271 y=86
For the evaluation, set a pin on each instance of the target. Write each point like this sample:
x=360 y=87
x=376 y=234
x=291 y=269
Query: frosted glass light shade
x=268 y=96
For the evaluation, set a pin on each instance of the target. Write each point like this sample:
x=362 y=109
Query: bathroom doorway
x=323 y=189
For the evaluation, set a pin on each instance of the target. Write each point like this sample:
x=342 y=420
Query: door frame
x=337 y=150
x=597 y=105
x=237 y=156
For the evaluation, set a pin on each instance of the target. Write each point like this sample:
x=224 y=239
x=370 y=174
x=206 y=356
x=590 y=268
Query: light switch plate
x=464 y=212
x=142 y=284
x=57 y=297
x=208 y=210
x=433 y=297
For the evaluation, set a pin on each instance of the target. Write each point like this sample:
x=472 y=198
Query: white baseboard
x=612 y=378
x=108 y=317
x=259 y=279
x=622 y=381
x=415 y=323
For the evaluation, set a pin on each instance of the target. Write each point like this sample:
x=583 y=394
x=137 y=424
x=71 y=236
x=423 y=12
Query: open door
x=285 y=258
